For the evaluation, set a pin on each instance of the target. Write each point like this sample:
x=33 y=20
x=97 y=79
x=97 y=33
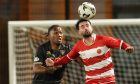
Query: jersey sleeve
x=112 y=42
x=67 y=58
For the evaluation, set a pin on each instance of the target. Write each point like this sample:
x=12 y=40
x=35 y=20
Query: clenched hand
x=49 y=62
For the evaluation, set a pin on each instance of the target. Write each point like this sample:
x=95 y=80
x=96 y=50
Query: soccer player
x=52 y=49
x=94 y=50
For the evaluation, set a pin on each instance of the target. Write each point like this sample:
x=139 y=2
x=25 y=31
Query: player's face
x=56 y=35
x=85 y=29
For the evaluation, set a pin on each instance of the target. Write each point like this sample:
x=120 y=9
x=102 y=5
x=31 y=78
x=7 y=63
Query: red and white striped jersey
x=96 y=58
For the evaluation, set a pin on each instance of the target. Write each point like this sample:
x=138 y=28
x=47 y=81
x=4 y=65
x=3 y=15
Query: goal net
x=26 y=36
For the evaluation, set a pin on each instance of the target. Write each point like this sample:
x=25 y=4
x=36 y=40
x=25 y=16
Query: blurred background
x=11 y=10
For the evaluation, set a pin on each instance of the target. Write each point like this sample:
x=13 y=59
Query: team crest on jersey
x=36 y=59
x=48 y=52
x=99 y=51
x=62 y=52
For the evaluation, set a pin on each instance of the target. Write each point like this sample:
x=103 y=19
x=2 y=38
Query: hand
x=130 y=50
x=49 y=62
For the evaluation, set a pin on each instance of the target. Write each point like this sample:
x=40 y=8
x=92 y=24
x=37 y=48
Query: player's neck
x=55 y=46
x=88 y=41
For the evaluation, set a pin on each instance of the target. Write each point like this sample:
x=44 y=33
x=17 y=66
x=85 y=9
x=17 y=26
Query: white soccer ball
x=87 y=10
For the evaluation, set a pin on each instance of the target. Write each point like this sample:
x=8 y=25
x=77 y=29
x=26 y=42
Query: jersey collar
x=94 y=37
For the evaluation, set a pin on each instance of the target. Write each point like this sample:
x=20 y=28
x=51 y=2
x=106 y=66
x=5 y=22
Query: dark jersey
x=45 y=51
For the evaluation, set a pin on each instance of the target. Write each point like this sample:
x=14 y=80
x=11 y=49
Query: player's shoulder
x=102 y=36
x=44 y=45
x=65 y=45
x=99 y=36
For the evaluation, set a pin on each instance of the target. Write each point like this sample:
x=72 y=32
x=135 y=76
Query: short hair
x=79 y=21
x=52 y=27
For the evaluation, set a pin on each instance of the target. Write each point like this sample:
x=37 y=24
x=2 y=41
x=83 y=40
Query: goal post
x=25 y=36
x=97 y=22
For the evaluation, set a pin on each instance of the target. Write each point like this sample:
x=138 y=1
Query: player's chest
x=55 y=53
x=97 y=49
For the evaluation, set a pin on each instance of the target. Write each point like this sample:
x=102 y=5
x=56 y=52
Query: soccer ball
x=87 y=10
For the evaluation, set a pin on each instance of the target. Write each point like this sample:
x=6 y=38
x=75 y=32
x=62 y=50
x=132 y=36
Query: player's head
x=55 y=34
x=84 y=28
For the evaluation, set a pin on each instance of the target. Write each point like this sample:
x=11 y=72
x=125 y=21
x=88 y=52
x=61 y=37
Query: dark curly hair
x=52 y=28
x=79 y=21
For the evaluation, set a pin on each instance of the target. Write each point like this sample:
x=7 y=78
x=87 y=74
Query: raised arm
x=117 y=43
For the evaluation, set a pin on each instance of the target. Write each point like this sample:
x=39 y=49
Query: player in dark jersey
x=51 y=49
x=94 y=50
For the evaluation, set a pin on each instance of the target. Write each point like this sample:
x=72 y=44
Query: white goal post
x=27 y=24
x=97 y=22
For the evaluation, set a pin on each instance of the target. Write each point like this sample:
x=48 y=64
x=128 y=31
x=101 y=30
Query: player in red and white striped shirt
x=94 y=50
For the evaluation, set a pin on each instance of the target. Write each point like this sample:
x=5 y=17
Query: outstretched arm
x=60 y=61
x=63 y=59
x=117 y=43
